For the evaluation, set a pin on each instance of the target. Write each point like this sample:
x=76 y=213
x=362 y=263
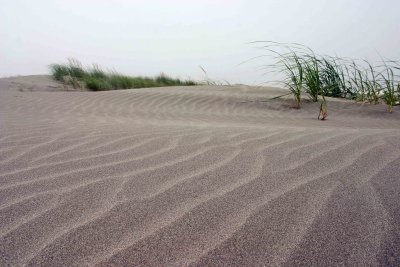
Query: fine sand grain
x=198 y=176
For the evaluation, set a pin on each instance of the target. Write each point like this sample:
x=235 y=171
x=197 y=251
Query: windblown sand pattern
x=199 y=176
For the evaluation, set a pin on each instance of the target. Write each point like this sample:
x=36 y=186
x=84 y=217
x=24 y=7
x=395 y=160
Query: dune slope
x=198 y=176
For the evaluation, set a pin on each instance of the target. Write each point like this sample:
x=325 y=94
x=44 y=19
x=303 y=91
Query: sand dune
x=197 y=176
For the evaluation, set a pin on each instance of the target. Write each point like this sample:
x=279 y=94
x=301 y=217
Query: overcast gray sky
x=176 y=36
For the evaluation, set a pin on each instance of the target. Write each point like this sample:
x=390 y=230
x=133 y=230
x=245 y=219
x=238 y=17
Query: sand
x=195 y=176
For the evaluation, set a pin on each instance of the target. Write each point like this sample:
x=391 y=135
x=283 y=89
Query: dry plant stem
x=323 y=112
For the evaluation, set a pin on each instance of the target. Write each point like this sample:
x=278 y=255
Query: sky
x=176 y=37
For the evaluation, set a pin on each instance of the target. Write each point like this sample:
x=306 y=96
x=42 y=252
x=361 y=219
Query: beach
x=194 y=176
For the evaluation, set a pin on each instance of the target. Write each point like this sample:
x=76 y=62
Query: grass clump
x=96 y=79
x=332 y=78
x=294 y=77
x=389 y=95
x=312 y=78
x=304 y=71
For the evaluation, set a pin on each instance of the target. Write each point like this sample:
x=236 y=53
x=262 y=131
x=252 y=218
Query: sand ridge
x=194 y=176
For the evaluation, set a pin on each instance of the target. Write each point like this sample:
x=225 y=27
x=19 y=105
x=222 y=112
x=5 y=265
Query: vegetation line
x=96 y=79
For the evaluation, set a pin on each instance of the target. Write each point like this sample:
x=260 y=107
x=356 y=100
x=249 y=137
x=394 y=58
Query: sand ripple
x=200 y=176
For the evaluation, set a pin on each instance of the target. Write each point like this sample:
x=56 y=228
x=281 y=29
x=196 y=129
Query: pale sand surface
x=199 y=176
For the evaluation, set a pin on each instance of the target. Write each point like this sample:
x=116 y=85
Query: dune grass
x=295 y=78
x=304 y=71
x=313 y=83
x=389 y=95
x=96 y=79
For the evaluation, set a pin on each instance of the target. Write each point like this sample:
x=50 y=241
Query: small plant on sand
x=389 y=95
x=359 y=83
x=323 y=111
x=374 y=88
x=294 y=77
x=313 y=83
x=332 y=78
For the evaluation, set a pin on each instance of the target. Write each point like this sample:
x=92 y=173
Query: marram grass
x=315 y=75
x=96 y=79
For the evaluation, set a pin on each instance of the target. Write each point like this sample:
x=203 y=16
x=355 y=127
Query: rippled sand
x=200 y=176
